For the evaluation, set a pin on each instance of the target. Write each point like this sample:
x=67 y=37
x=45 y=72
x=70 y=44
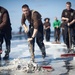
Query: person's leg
x=70 y=38
x=31 y=43
x=63 y=34
x=55 y=34
x=48 y=34
x=7 y=37
x=1 y=42
x=7 y=51
x=73 y=36
x=39 y=41
x=66 y=37
x=31 y=49
x=41 y=46
x=58 y=34
x=8 y=44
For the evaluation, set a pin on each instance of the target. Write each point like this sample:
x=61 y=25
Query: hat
x=46 y=19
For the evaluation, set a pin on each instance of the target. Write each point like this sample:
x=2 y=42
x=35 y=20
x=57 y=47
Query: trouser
x=39 y=40
x=57 y=34
x=47 y=31
x=68 y=36
x=74 y=35
x=63 y=34
x=7 y=37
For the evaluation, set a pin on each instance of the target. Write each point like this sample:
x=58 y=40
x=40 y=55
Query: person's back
x=5 y=31
x=5 y=25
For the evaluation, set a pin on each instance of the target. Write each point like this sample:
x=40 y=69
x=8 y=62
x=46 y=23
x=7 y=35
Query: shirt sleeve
x=36 y=20
x=23 y=19
x=4 y=20
x=74 y=14
x=53 y=24
x=63 y=14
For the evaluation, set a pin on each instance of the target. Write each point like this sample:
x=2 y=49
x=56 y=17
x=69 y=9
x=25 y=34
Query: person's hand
x=30 y=39
x=56 y=26
x=67 y=19
x=62 y=28
x=68 y=24
x=26 y=29
x=48 y=27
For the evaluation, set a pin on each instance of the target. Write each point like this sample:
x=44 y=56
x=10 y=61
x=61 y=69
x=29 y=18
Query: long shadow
x=68 y=67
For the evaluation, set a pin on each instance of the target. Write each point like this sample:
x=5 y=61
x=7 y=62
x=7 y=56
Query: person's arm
x=34 y=33
x=36 y=24
x=70 y=23
x=23 y=23
x=36 y=19
x=4 y=20
x=63 y=17
x=73 y=21
x=54 y=24
x=25 y=28
x=49 y=25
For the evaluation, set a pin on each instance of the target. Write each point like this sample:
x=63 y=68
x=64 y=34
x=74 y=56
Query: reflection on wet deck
x=61 y=65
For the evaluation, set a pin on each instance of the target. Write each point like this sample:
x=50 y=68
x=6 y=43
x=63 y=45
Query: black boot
x=43 y=51
x=6 y=57
x=44 y=54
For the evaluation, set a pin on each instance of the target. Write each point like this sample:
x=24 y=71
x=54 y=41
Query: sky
x=47 y=8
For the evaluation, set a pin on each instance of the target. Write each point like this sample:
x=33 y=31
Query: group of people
x=67 y=24
x=35 y=29
x=47 y=29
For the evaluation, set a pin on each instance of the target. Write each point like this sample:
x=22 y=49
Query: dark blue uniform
x=68 y=29
x=5 y=31
x=47 y=30
x=35 y=23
